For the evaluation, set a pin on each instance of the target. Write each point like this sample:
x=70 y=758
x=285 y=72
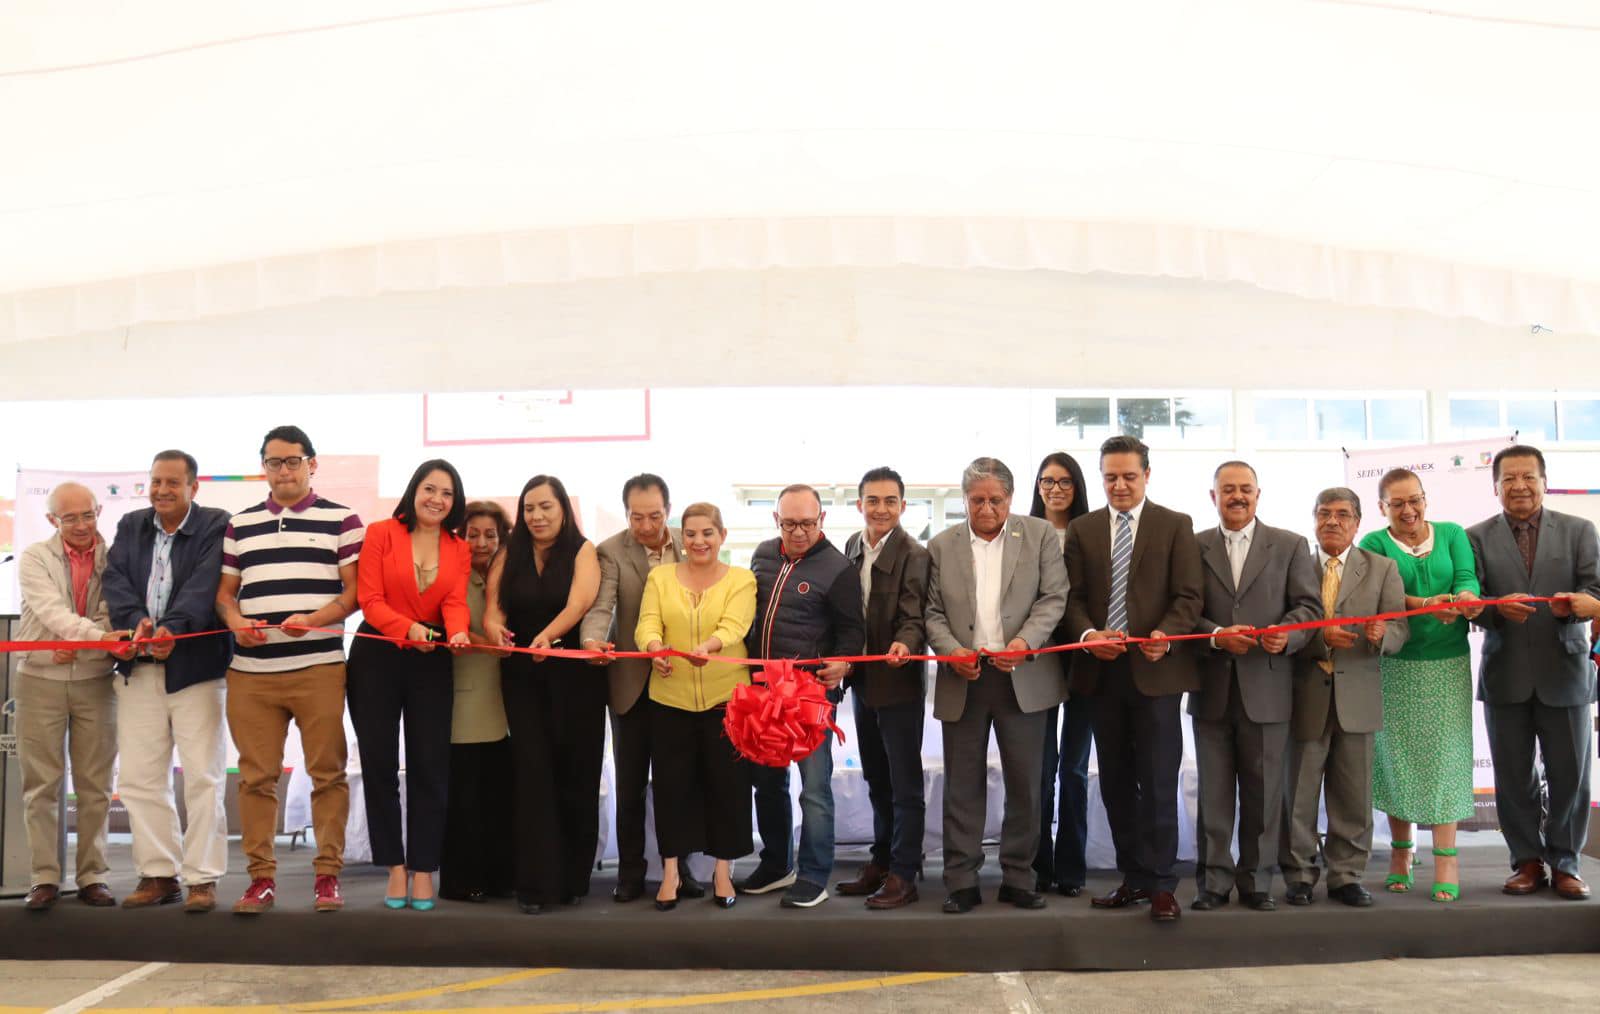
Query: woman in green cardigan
x=1422 y=763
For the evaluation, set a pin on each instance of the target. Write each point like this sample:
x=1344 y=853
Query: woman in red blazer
x=413 y=588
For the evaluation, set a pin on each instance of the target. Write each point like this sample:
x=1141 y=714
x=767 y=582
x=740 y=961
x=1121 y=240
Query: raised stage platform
x=839 y=934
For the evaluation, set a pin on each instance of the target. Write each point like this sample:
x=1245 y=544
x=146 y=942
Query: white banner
x=1458 y=479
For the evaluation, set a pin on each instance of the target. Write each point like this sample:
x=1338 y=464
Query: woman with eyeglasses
x=540 y=587
x=1059 y=496
x=477 y=831
x=412 y=585
x=1422 y=757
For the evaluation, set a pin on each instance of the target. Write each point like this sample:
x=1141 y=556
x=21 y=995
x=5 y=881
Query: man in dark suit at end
x=1134 y=571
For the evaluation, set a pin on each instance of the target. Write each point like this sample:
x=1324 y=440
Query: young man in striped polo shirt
x=292 y=561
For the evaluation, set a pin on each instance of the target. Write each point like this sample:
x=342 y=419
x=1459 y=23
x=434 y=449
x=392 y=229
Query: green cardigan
x=1450 y=568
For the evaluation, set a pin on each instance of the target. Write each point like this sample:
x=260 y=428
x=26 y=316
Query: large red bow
x=782 y=717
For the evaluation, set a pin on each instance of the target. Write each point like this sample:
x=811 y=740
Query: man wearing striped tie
x=1134 y=571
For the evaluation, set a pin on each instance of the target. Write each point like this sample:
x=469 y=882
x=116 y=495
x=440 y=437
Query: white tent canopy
x=902 y=187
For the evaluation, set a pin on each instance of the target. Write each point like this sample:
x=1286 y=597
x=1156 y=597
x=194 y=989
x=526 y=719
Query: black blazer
x=196 y=571
x=893 y=613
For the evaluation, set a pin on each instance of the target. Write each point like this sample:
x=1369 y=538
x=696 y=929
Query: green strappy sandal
x=1451 y=892
x=1400 y=883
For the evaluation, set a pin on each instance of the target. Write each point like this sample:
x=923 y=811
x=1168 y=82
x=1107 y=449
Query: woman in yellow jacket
x=702 y=787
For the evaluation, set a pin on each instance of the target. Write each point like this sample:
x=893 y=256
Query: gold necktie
x=1330 y=596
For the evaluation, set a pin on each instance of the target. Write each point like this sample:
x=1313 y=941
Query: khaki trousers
x=260 y=706
x=58 y=719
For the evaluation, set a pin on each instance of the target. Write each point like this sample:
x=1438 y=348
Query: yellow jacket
x=668 y=614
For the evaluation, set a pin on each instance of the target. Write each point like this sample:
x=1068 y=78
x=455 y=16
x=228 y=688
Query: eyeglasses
x=1343 y=517
x=283 y=464
x=73 y=520
x=994 y=503
x=1048 y=484
x=791 y=527
x=1415 y=503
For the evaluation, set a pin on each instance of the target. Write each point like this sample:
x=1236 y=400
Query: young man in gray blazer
x=1338 y=705
x=995 y=582
x=1255 y=576
x=625 y=561
x=888 y=696
x=1537 y=683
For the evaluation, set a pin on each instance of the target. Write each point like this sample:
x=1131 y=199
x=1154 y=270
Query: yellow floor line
x=421 y=994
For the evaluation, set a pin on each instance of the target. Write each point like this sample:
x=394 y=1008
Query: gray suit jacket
x=615 y=613
x=1543 y=656
x=1370 y=584
x=1033 y=597
x=1279 y=584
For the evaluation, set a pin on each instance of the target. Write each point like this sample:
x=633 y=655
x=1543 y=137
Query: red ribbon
x=781 y=717
x=585 y=654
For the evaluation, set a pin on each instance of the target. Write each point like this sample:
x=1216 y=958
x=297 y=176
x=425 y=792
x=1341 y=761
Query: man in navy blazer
x=1536 y=682
x=160 y=581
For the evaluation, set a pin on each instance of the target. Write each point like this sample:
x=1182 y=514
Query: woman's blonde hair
x=704 y=510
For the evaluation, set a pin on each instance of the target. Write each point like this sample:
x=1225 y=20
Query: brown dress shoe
x=894 y=893
x=1122 y=897
x=98 y=895
x=1570 y=886
x=1164 y=906
x=202 y=898
x=1529 y=877
x=868 y=881
x=154 y=891
x=42 y=897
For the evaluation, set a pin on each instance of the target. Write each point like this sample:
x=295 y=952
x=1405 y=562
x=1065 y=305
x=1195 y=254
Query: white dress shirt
x=1133 y=534
x=988 y=558
x=1237 y=545
x=1322 y=559
x=1420 y=550
x=869 y=556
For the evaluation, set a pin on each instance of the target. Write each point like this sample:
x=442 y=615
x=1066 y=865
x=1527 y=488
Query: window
x=1580 y=419
x=1090 y=417
x=1534 y=417
x=1281 y=419
x=1532 y=420
x=1475 y=417
x=1396 y=419
x=1340 y=419
x=1195 y=419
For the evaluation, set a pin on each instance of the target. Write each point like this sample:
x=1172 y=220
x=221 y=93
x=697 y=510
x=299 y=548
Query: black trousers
x=557 y=714
x=1060 y=858
x=631 y=746
x=890 y=740
x=1139 y=741
x=477 y=828
x=390 y=688
x=702 y=785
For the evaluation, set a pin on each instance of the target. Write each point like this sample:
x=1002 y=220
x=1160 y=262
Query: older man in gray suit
x=625 y=561
x=997 y=582
x=1537 y=683
x=1255 y=576
x=1338 y=705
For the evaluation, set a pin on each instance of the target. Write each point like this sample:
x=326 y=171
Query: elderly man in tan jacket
x=65 y=704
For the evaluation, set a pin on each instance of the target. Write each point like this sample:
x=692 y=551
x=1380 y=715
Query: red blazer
x=386 y=582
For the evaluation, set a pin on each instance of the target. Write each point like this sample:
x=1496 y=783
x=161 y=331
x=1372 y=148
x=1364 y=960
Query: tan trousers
x=153 y=722
x=260 y=706
x=58 y=719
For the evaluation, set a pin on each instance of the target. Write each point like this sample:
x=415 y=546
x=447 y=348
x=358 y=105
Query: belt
x=146 y=660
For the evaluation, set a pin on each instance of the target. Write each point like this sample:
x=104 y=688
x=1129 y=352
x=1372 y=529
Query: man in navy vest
x=808 y=605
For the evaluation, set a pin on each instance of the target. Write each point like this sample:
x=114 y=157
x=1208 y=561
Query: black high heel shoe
x=719 y=900
x=667 y=906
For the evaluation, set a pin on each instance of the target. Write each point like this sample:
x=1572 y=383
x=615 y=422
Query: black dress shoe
x=476 y=896
x=627 y=890
x=1019 y=896
x=1353 y=895
x=690 y=889
x=530 y=907
x=1259 y=901
x=1205 y=901
x=961 y=900
x=1300 y=894
x=572 y=899
x=1069 y=890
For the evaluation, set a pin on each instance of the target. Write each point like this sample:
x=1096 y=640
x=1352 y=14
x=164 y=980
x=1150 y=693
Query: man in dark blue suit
x=161 y=581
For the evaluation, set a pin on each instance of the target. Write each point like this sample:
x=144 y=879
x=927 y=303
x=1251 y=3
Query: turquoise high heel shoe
x=422 y=904
x=396 y=903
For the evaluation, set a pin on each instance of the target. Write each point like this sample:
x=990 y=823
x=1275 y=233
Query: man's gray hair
x=50 y=501
x=988 y=468
x=1334 y=494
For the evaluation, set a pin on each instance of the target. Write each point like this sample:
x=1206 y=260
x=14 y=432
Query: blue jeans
x=1061 y=861
x=775 y=820
x=890 y=739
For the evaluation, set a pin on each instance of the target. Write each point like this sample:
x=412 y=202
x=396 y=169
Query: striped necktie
x=1121 y=556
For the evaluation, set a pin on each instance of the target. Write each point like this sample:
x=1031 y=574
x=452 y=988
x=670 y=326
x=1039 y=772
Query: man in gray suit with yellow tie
x=1537 y=683
x=625 y=561
x=1338 y=705
x=995 y=582
x=1255 y=576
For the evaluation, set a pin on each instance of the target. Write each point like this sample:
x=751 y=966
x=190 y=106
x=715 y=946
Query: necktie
x=1121 y=556
x=1330 y=596
x=1237 y=551
x=1525 y=537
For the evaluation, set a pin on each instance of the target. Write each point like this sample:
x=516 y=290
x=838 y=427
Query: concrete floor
x=1556 y=983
